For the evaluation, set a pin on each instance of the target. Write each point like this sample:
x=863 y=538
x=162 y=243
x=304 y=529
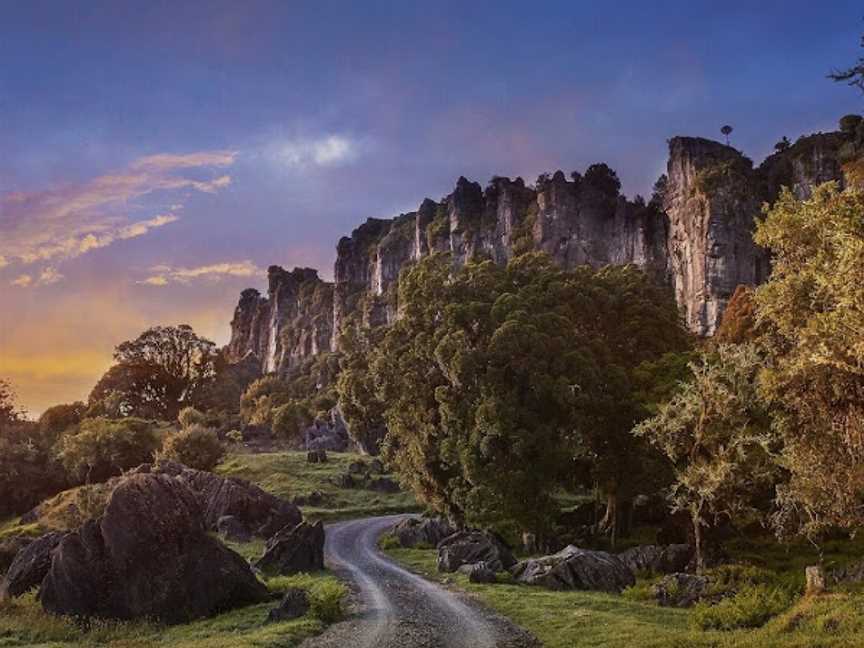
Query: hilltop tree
x=9 y=412
x=854 y=75
x=811 y=318
x=157 y=373
x=727 y=131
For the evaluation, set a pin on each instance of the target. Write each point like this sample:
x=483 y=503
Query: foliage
x=102 y=447
x=751 y=607
x=714 y=432
x=190 y=416
x=738 y=323
x=59 y=418
x=812 y=313
x=358 y=401
x=854 y=75
x=9 y=412
x=195 y=446
x=290 y=419
x=603 y=178
x=156 y=374
x=28 y=471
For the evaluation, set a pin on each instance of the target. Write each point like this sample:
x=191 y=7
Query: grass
x=593 y=619
x=23 y=623
x=288 y=475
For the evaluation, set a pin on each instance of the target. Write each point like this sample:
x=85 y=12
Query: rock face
x=695 y=235
x=294 y=605
x=576 y=569
x=294 y=550
x=9 y=549
x=29 y=566
x=425 y=532
x=656 y=559
x=471 y=547
x=149 y=556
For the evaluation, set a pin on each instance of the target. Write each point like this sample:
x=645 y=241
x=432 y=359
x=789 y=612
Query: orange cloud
x=166 y=274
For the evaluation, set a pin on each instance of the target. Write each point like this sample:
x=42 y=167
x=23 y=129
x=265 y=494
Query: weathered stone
x=681 y=590
x=294 y=550
x=9 y=548
x=316 y=456
x=478 y=573
x=233 y=529
x=576 y=569
x=30 y=565
x=294 y=605
x=343 y=480
x=376 y=467
x=470 y=547
x=656 y=559
x=383 y=485
x=148 y=557
x=412 y=532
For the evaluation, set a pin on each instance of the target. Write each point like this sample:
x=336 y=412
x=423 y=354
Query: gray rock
x=657 y=559
x=470 y=547
x=316 y=456
x=383 y=485
x=681 y=590
x=30 y=565
x=294 y=605
x=412 y=532
x=479 y=573
x=148 y=557
x=233 y=529
x=9 y=548
x=294 y=550
x=576 y=569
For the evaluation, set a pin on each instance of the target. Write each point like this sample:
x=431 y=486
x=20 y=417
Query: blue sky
x=158 y=155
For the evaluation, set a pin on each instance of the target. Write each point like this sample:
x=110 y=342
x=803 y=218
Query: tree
x=854 y=75
x=783 y=145
x=738 y=322
x=59 y=418
x=604 y=179
x=156 y=374
x=811 y=319
x=9 y=412
x=362 y=410
x=195 y=446
x=102 y=448
x=727 y=131
x=714 y=431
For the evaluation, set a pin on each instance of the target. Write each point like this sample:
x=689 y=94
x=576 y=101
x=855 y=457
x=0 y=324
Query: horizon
x=158 y=161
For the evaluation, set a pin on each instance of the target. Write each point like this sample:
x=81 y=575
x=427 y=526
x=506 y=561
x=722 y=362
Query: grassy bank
x=597 y=620
x=288 y=475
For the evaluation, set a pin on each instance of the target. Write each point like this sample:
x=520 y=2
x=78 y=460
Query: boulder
x=316 y=456
x=470 y=547
x=262 y=513
x=479 y=573
x=657 y=559
x=573 y=568
x=358 y=468
x=294 y=605
x=315 y=498
x=30 y=565
x=9 y=548
x=383 y=485
x=294 y=549
x=412 y=532
x=681 y=590
x=148 y=557
x=343 y=480
x=233 y=529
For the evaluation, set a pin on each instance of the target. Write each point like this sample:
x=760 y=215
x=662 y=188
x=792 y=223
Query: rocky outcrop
x=656 y=559
x=148 y=557
x=576 y=569
x=294 y=605
x=413 y=532
x=30 y=566
x=292 y=323
x=695 y=236
x=472 y=547
x=294 y=550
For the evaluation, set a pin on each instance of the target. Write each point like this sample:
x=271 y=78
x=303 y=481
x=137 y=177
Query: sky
x=156 y=157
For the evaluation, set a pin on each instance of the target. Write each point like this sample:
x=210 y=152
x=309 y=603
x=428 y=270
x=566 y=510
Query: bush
x=28 y=471
x=196 y=446
x=190 y=416
x=102 y=448
x=325 y=599
x=290 y=419
x=389 y=541
x=752 y=607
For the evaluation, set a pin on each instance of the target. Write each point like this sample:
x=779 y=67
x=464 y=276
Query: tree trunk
x=609 y=523
x=697 y=540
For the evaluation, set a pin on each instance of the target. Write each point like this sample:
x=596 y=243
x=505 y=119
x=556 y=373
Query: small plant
x=640 y=592
x=190 y=416
x=196 y=446
x=325 y=600
x=388 y=541
x=234 y=436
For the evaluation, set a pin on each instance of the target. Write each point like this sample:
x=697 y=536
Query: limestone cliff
x=694 y=235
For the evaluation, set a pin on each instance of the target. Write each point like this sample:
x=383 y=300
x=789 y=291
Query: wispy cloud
x=47 y=277
x=64 y=222
x=163 y=275
x=324 y=151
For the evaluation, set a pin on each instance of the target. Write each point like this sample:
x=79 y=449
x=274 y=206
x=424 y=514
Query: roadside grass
x=593 y=619
x=288 y=475
x=24 y=623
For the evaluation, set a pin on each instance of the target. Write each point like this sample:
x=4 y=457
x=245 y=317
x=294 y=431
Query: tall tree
x=9 y=412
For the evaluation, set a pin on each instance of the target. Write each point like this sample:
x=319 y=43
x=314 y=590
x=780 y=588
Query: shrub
x=388 y=541
x=290 y=419
x=752 y=607
x=102 y=448
x=325 y=599
x=190 y=416
x=641 y=591
x=234 y=436
x=196 y=446
x=28 y=471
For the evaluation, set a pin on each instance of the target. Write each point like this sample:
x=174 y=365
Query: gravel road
x=394 y=608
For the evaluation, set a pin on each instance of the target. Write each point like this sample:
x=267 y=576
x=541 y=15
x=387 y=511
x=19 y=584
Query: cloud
x=164 y=274
x=64 y=222
x=329 y=150
x=47 y=277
